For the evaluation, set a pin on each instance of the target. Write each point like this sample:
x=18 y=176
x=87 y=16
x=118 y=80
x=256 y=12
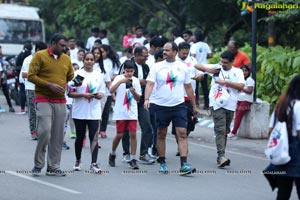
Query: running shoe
x=103 y=134
x=73 y=135
x=33 y=136
x=232 y=136
x=146 y=159
x=77 y=166
x=65 y=146
x=222 y=162
x=112 y=160
x=21 y=112
x=36 y=171
x=163 y=168
x=126 y=158
x=11 y=109
x=186 y=169
x=56 y=172
x=95 y=168
x=133 y=164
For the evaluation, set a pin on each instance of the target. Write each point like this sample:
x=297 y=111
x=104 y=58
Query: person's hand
x=196 y=111
x=146 y=104
x=98 y=96
x=143 y=82
x=125 y=80
x=132 y=90
x=88 y=95
x=198 y=77
x=113 y=96
x=220 y=81
x=57 y=89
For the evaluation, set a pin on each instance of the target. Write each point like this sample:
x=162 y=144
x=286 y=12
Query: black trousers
x=285 y=186
x=6 y=94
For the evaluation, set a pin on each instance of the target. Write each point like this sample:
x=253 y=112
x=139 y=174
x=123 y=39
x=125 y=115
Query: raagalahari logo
x=249 y=7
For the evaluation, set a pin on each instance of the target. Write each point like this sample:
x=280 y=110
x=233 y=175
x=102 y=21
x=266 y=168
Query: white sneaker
x=126 y=158
x=231 y=136
x=94 y=168
x=77 y=166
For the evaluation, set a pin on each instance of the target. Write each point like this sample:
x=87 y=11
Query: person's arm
x=143 y=82
x=148 y=91
x=116 y=84
x=209 y=55
x=248 y=90
x=237 y=86
x=24 y=74
x=80 y=95
x=205 y=68
x=136 y=96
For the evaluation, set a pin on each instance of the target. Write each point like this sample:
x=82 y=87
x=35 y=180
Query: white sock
x=132 y=157
x=113 y=153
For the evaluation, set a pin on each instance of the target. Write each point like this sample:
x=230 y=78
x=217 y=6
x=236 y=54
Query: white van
x=19 y=24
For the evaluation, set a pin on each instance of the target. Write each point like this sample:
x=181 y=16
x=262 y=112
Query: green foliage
x=276 y=66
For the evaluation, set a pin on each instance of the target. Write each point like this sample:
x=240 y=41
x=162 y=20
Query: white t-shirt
x=79 y=63
x=73 y=54
x=190 y=62
x=125 y=105
x=234 y=75
x=25 y=67
x=106 y=76
x=123 y=59
x=88 y=109
x=170 y=78
x=151 y=60
x=140 y=71
x=139 y=40
x=244 y=96
x=178 y=40
x=296 y=118
x=201 y=49
x=90 y=42
x=105 y=41
x=110 y=70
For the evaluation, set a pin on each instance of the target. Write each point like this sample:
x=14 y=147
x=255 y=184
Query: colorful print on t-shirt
x=127 y=99
x=90 y=89
x=172 y=80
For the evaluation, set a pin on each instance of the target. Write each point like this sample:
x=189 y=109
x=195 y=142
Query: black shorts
x=177 y=114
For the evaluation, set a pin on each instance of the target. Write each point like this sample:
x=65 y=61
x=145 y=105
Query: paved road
x=242 y=180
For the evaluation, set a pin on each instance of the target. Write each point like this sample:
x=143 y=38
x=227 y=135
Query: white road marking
x=43 y=182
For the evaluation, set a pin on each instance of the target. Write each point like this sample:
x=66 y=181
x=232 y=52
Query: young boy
x=128 y=92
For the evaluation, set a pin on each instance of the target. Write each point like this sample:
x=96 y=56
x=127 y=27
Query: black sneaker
x=65 y=146
x=11 y=109
x=55 y=172
x=222 y=162
x=112 y=160
x=133 y=164
x=36 y=171
x=146 y=159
